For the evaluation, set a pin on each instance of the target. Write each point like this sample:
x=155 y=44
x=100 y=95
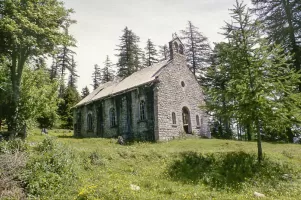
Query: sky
x=100 y=24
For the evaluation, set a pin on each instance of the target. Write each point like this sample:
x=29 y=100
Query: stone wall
x=172 y=95
x=176 y=88
x=127 y=110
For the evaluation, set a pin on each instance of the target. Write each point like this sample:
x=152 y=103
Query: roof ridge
x=141 y=77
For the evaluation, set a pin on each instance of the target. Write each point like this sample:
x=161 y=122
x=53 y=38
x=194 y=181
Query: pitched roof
x=142 y=77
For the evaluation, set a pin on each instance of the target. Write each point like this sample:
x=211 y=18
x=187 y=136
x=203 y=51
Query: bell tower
x=176 y=47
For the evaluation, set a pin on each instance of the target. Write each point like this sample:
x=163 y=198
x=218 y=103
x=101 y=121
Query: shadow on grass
x=225 y=170
x=69 y=136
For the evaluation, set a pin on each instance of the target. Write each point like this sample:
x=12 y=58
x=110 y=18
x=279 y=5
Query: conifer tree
x=64 y=58
x=281 y=19
x=260 y=83
x=129 y=53
x=85 y=92
x=150 y=53
x=216 y=79
x=54 y=68
x=72 y=80
x=164 y=52
x=96 y=76
x=107 y=71
x=197 y=49
x=138 y=61
x=70 y=98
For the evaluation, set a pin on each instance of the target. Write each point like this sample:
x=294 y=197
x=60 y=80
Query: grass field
x=190 y=168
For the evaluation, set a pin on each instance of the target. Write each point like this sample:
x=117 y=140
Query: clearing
x=188 y=168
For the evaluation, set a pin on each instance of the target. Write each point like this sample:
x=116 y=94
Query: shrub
x=13 y=146
x=12 y=161
x=10 y=168
x=50 y=168
x=226 y=170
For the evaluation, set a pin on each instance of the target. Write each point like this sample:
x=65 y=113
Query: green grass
x=180 y=169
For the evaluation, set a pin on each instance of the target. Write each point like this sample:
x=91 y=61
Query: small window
x=142 y=110
x=89 y=122
x=174 y=119
x=112 y=117
x=176 y=47
x=183 y=84
x=181 y=49
x=197 y=120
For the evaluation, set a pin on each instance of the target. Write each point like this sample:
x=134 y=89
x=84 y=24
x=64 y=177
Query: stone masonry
x=160 y=102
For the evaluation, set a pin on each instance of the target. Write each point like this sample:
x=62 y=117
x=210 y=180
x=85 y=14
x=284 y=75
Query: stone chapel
x=157 y=103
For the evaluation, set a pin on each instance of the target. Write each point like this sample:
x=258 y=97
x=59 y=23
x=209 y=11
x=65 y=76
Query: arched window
x=89 y=122
x=174 y=119
x=181 y=49
x=142 y=110
x=197 y=120
x=182 y=83
x=112 y=117
x=176 y=47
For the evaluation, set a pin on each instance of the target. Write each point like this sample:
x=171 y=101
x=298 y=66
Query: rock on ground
x=135 y=187
x=259 y=195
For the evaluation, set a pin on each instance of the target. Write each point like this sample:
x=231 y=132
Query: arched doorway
x=186 y=120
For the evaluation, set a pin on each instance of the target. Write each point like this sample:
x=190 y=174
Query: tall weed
x=12 y=162
x=50 y=168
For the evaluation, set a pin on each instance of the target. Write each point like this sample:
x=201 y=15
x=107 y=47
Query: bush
x=12 y=161
x=13 y=146
x=226 y=170
x=50 y=168
x=10 y=168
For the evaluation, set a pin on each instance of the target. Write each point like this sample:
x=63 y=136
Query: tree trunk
x=249 y=134
x=13 y=117
x=18 y=62
x=259 y=147
x=290 y=135
x=238 y=131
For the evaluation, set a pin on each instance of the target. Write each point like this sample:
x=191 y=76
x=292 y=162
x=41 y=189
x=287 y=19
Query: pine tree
x=72 y=80
x=138 y=61
x=150 y=53
x=216 y=79
x=70 y=98
x=107 y=71
x=96 y=76
x=64 y=59
x=260 y=82
x=129 y=53
x=54 y=69
x=281 y=19
x=197 y=49
x=164 y=52
x=85 y=92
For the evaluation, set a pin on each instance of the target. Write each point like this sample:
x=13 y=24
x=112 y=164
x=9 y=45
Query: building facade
x=160 y=102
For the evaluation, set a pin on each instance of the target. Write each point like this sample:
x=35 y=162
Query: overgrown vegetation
x=13 y=160
x=252 y=85
x=50 y=170
x=230 y=170
x=62 y=167
x=36 y=170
